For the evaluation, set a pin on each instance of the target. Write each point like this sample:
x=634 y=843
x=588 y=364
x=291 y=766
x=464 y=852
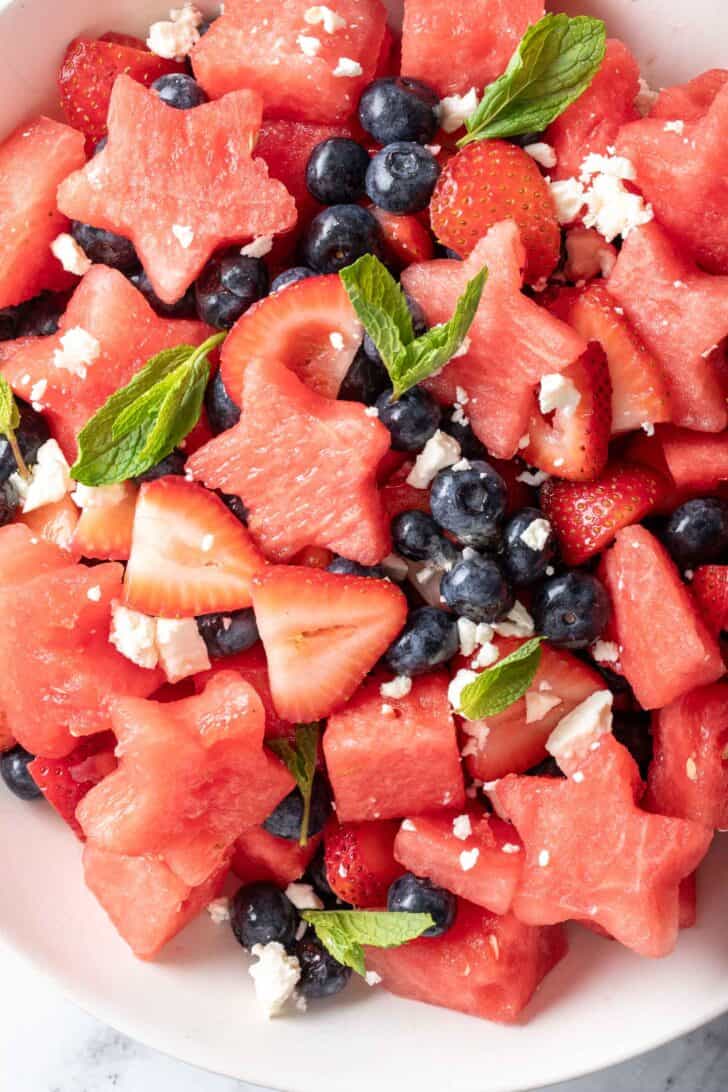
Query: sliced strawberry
x=406 y=237
x=574 y=445
x=390 y=462
x=360 y=862
x=587 y=515
x=322 y=633
x=313 y=557
x=65 y=781
x=399 y=496
x=710 y=588
x=189 y=554
x=299 y=328
x=491 y=181
x=104 y=531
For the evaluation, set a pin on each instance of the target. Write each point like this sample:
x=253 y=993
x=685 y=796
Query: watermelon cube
x=260 y=857
x=252 y=666
x=690 y=101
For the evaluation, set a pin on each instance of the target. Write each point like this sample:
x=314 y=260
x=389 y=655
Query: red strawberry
x=406 y=238
x=587 y=515
x=399 y=496
x=104 y=532
x=313 y=557
x=360 y=862
x=575 y=445
x=710 y=587
x=491 y=181
x=189 y=554
x=322 y=633
x=65 y=781
x=124 y=39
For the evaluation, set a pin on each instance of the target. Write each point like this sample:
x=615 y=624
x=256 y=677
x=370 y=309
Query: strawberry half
x=360 y=862
x=104 y=532
x=710 y=588
x=65 y=781
x=491 y=181
x=189 y=553
x=406 y=238
x=587 y=515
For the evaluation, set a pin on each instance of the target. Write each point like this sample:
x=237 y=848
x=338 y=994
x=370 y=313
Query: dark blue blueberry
x=228 y=285
x=526 y=562
x=697 y=532
x=429 y=638
x=415 y=535
x=338 y=236
x=401 y=177
x=205 y=26
x=476 y=587
x=321 y=974
x=419 y=325
x=470 y=446
x=105 y=247
x=447 y=252
x=525 y=138
x=9 y=502
x=8 y=324
x=632 y=730
x=226 y=634
x=335 y=171
x=222 y=412
x=179 y=91
x=548 y=767
x=316 y=875
x=40 y=317
x=14 y=771
x=236 y=506
x=172 y=465
x=100 y=145
x=31 y=434
x=285 y=821
x=292 y=276
x=261 y=914
x=398 y=108
x=571 y=610
x=411 y=420
x=470 y=503
x=345 y=567
x=410 y=894
x=364 y=381
x=183 y=308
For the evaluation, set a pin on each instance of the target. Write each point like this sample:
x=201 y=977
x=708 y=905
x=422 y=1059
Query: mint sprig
x=555 y=62
x=344 y=933
x=301 y=762
x=140 y=424
x=503 y=684
x=381 y=305
x=9 y=424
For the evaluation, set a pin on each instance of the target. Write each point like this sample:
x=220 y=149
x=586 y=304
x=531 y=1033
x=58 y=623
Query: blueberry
x=411 y=420
x=31 y=434
x=183 y=308
x=470 y=503
x=236 y=506
x=261 y=914
x=697 y=531
x=571 y=610
x=285 y=821
x=9 y=502
x=470 y=446
x=526 y=560
x=321 y=974
x=14 y=771
x=343 y=566
x=316 y=875
x=338 y=236
x=394 y=108
x=222 y=412
x=364 y=381
x=476 y=588
x=171 y=465
x=100 y=145
x=429 y=638
x=548 y=767
x=335 y=171
x=447 y=252
x=292 y=276
x=633 y=732
x=179 y=91
x=40 y=316
x=229 y=284
x=8 y=324
x=105 y=247
x=401 y=177
x=411 y=894
x=226 y=634
x=525 y=138
x=416 y=536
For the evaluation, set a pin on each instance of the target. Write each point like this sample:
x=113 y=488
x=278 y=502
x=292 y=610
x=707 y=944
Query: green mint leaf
x=144 y=421
x=381 y=305
x=9 y=422
x=555 y=62
x=499 y=686
x=301 y=762
x=344 y=933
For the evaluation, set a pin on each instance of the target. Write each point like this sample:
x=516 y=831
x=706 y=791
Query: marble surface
x=48 y=1045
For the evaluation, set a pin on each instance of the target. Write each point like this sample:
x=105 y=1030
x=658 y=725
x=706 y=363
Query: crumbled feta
x=536 y=535
x=371 y=411
x=524 y=442
x=469 y=858
x=538 y=705
x=584 y=725
x=543 y=858
x=533 y=478
x=558 y=393
x=303 y=896
x=578 y=777
x=606 y=652
x=329 y=20
x=219 y=910
x=472 y=635
x=517 y=623
x=398 y=687
x=94 y=593
x=134 y=635
x=457 y=684
x=648 y=428
x=569 y=196
x=439 y=452
x=79 y=350
x=689 y=574
x=276 y=975
x=461 y=396
x=37 y=392
x=386 y=710
x=616 y=166
x=72 y=257
x=612 y=209
x=258 y=248
x=308 y=44
x=464 y=464
x=674 y=126
x=395 y=567
x=462 y=828
x=510 y=847
x=98 y=496
x=346 y=67
x=182 y=651
x=337 y=340
x=645 y=98
x=691 y=769
x=372 y=978
x=184 y=235
x=453 y=110
x=543 y=153
x=176 y=37
x=409 y=826
x=50 y=480
x=486 y=656
x=463 y=349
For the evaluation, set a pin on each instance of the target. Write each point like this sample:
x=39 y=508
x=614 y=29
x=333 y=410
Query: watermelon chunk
x=485 y=965
x=65 y=781
x=33 y=161
x=54 y=522
x=253 y=667
x=690 y=101
x=665 y=648
x=694 y=463
x=178 y=197
x=260 y=857
x=254 y=45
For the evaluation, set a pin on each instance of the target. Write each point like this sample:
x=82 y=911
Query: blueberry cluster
x=31 y=434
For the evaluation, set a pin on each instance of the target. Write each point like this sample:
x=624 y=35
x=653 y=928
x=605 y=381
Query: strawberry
x=399 y=496
x=360 y=862
x=104 y=531
x=587 y=515
x=406 y=238
x=65 y=781
x=574 y=445
x=189 y=553
x=710 y=588
x=491 y=181
x=322 y=633
x=314 y=557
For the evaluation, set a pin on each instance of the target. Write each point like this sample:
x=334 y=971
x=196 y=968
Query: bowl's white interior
x=601 y=1005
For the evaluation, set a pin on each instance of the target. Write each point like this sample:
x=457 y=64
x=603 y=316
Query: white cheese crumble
x=538 y=705
x=510 y=847
x=329 y=20
x=486 y=656
x=477 y=733
x=524 y=442
x=94 y=594
x=612 y=209
x=543 y=858
x=37 y=392
x=303 y=896
x=536 y=535
x=133 y=635
x=462 y=828
x=558 y=393
x=463 y=349
x=337 y=340
x=569 y=196
x=182 y=651
x=607 y=652
x=616 y=166
x=258 y=248
x=386 y=710
x=469 y=858
x=517 y=623
x=98 y=496
x=578 y=777
x=542 y=153
x=372 y=978
x=588 y=255
x=398 y=687
x=276 y=975
x=72 y=257
x=674 y=126
x=50 y=480
x=584 y=725
x=308 y=44
x=347 y=68
x=184 y=235
x=439 y=452
x=176 y=37
x=453 y=110
x=691 y=769
x=371 y=411
x=409 y=826
x=457 y=684
x=472 y=635
x=533 y=478
x=79 y=350
x=464 y=464
x=219 y=910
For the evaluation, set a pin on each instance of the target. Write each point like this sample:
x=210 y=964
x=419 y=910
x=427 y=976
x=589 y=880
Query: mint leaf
x=144 y=421
x=301 y=762
x=499 y=686
x=344 y=932
x=555 y=62
x=9 y=422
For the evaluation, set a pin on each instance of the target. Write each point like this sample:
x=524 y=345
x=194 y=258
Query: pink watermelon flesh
x=690 y=101
x=261 y=857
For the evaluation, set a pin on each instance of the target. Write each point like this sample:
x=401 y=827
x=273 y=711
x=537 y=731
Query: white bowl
x=600 y=1006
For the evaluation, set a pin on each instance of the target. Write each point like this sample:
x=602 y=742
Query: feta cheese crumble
x=50 y=480
x=486 y=656
x=98 y=496
x=510 y=847
x=176 y=37
x=691 y=769
x=606 y=652
x=133 y=635
x=219 y=910
x=674 y=127
x=439 y=452
x=539 y=704
x=182 y=651
x=536 y=535
x=457 y=684
x=557 y=393
x=578 y=730
x=258 y=248
x=303 y=896
x=543 y=858
x=308 y=44
x=542 y=153
x=453 y=110
x=371 y=411
x=616 y=166
x=184 y=235
x=472 y=635
x=337 y=340
x=79 y=350
x=372 y=978
x=347 y=68
x=469 y=858
x=462 y=827
x=534 y=478
x=329 y=20
x=517 y=623
x=37 y=391
x=94 y=594
x=648 y=428
x=613 y=210
x=398 y=687
x=409 y=826
x=72 y=257
x=276 y=975
x=569 y=196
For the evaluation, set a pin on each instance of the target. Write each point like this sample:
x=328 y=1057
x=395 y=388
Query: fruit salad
x=364 y=489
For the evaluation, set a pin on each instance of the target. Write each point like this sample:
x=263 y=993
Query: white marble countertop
x=48 y=1045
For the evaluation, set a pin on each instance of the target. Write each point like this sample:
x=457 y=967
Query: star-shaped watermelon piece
x=511 y=344
x=304 y=467
x=179 y=183
x=592 y=854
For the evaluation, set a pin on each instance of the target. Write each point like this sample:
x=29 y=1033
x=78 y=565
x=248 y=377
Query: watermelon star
x=512 y=342
x=593 y=854
x=184 y=192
